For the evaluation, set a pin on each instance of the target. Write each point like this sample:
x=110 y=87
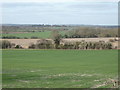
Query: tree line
x=69 y=31
x=90 y=32
x=46 y=44
x=78 y=45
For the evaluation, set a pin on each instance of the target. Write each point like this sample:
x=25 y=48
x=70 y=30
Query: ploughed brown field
x=26 y=42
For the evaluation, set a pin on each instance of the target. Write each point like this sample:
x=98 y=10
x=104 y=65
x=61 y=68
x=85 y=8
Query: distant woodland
x=66 y=31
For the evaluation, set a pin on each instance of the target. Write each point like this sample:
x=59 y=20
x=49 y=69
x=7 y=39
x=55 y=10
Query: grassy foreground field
x=59 y=68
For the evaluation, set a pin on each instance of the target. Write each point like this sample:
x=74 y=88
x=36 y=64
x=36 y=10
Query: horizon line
x=61 y=24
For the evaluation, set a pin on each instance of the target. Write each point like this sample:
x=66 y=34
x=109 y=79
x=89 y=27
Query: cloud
x=25 y=4
x=60 y=12
x=11 y=1
x=95 y=6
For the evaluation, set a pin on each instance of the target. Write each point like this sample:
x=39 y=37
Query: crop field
x=45 y=34
x=59 y=68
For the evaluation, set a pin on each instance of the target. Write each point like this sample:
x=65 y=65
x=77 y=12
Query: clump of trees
x=4 y=44
x=14 y=37
x=34 y=37
x=56 y=37
x=87 y=45
x=42 y=44
x=18 y=47
x=91 y=32
x=46 y=44
x=10 y=37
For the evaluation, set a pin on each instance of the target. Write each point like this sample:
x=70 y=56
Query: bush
x=111 y=40
x=56 y=37
x=25 y=38
x=87 y=45
x=32 y=46
x=34 y=37
x=42 y=44
x=5 y=44
x=46 y=44
x=18 y=47
x=10 y=37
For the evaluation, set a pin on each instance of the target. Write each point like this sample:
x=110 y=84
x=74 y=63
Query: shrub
x=42 y=44
x=56 y=37
x=34 y=37
x=46 y=44
x=5 y=44
x=10 y=37
x=111 y=40
x=18 y=47
x=25 y=38
x=32 y=46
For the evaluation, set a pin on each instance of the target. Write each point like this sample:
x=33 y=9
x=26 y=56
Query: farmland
x=59 y=68
x=45 y=34
x=59 y=56
x=67 y=31
x=22 y=35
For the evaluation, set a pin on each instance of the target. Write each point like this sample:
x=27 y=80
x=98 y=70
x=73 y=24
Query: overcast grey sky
x=73 y=12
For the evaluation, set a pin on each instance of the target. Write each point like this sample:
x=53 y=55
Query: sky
x=87 y=12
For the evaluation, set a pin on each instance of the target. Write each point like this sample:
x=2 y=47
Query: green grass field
x=45 y=34
x=59 y=68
